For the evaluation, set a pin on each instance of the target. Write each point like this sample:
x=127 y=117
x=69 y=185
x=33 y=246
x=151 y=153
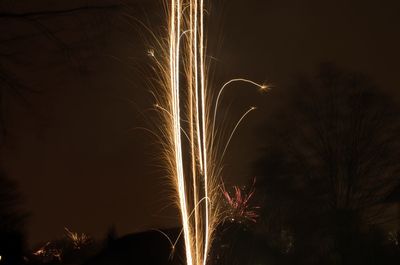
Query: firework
x=49 y=253
x=41 y=251
x=188 y=134
x=238 y=204
x=78 y=240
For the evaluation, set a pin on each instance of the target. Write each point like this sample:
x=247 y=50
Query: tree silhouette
x=330 y=159
x=11 y=223
x=37 y=25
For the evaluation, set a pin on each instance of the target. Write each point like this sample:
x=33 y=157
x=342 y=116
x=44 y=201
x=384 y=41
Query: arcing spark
x=187 y=135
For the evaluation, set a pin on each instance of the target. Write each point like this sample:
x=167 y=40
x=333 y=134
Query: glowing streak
x=174 y=68
x=174 y=243
x=192 y=141
x=169 y=114
x=196 y=78
x=166 y=236
x=184 y=33
x=235 y=128
x=203 y=120
x=262 y=87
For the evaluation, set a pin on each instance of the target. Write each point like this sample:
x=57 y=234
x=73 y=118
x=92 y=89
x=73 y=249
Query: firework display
x=191 y=143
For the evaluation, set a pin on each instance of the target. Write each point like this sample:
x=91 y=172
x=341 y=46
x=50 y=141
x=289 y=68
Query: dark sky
x=70 y=146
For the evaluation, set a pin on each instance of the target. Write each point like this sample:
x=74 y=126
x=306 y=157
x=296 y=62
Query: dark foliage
x=11 y=223
x=152 y=248
x=330 y=159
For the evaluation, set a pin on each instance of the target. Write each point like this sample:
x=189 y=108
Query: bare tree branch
x=15 y=15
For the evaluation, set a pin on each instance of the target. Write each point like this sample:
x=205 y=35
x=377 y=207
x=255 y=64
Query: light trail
x=175 y=87
x=192 y=63
x=203 y=120
x=262 y=87
x=184 y=101
x=235 y=128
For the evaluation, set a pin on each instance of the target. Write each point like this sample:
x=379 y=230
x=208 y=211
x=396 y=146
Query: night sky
x=71 y=143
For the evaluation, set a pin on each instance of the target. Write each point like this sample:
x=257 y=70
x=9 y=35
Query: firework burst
x=49 y=253
x=78 y=240
x=239 y=208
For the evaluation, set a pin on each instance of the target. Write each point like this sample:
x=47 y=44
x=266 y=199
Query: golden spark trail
x=196 y=77
x=203 y=119
x=187 y=137
x=175 y=66
x=192 y=137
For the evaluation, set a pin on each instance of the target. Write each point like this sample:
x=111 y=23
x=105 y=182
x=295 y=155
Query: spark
x=394 y=237
x=187 y=132
x=151 y=53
